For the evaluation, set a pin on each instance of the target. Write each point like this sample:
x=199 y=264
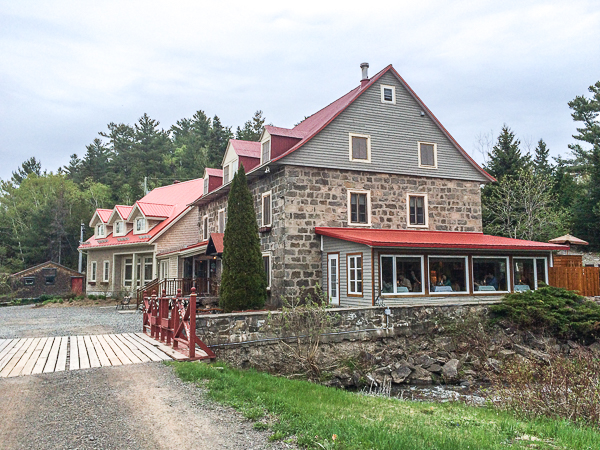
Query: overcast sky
x=69 y=68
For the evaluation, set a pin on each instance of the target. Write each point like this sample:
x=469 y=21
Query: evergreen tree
x=30 y=166
x=252 y=129
x=541 y=162
x=219 y=138
x=506 y=157
x=243 y=281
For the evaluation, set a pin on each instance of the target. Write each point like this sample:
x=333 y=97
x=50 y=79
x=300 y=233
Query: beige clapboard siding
x=394 y=130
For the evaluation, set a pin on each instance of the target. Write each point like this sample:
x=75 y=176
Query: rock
x=401 y=374
x=556 y=348
x=470 y=372
x=424 y=361
x=445 y=343
x=403 y=363
x=595 y=347
x=573 y=345
x=450 y=369
x=531 y=353
x=466 y=383
x=435 y=368
x=506 y=353
x=420 y=376
x=494 y=364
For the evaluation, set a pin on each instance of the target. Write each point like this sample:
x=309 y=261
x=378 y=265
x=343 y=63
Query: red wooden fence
x=172 y=320
x=586 y=280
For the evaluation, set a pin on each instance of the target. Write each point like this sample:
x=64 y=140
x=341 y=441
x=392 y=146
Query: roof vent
x=365 y=73
x=176 y=182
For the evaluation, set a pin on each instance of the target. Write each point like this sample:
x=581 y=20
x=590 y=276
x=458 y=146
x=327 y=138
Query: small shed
x=47 y=278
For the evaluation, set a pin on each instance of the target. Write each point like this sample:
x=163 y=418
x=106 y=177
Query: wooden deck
x=29 y=356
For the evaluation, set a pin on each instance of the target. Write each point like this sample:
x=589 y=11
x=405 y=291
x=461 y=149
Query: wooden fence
x=586 y=280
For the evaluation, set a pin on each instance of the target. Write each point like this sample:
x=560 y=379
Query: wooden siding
x=281 y=144
x=586 y=280
x=395 y=130
x=567 y=261
x=344 y=247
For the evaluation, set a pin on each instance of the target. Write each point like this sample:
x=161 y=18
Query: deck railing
x=170 y=286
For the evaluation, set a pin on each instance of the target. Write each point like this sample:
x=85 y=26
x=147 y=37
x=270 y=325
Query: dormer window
x=265 y=154
x=119 y=228
x=226 y=173
x=100 y=230
x=388 y=94
x=140 y=224
x=206 y=185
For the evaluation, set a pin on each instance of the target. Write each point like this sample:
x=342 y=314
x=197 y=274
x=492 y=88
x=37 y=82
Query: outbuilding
x=47 y=278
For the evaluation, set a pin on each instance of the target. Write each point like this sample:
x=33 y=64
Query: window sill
x=418 y=226
x=266 y=229
x=92 y=283
x=359 y=224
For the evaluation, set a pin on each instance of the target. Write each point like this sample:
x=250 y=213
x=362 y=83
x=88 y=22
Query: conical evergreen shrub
x=243 y=281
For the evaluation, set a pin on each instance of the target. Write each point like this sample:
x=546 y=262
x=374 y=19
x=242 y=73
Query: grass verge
x=315 y=413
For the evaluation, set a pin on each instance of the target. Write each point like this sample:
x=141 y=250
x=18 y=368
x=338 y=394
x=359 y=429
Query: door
x=333 y=280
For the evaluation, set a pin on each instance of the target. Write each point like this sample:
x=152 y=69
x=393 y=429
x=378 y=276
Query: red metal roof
x=214 y=172
x=249 y=149
x=217 y=241
x=173 y=199
x=433 y=239
x=123 y=211
x=104 y=214
x=278 y=131
x=184 y=248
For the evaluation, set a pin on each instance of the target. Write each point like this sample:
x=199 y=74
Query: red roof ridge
x=174 y=184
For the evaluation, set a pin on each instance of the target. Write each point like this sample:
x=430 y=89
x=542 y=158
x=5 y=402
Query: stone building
x=372 y=199
x=48 y=278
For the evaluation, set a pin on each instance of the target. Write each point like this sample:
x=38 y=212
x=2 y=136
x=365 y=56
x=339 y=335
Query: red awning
x=433 y=239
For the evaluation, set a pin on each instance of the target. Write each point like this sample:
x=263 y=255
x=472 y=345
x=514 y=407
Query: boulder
x=403 y=363
x=424 y=361
x=420 y=376
x=531 y=353
x=401 y=374
x=595 y=347
x=573 y=345
x=435 y=368
x=445 y=343
x=450 y=369
x=506 y=353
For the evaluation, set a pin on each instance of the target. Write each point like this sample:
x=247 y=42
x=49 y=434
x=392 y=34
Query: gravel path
x=142 y=406
x=27 y=321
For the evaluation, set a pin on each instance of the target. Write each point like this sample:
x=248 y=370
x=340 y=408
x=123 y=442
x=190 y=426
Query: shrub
x=555 y=310
x=569 y=388
x=44 y=297
x=92 y=297
x=101 y=297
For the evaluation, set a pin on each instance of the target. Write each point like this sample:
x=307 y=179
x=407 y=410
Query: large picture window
x=448 y=274
x=490 y=274
x=401 y=274
x=355 y=280
x=528 y=273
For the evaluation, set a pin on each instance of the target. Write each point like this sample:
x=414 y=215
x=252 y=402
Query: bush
x=569 y=388
x=92 y=297
x=102 y=297
x=553 y=310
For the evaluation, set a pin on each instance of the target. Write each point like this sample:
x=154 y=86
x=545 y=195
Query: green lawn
x=314 y=413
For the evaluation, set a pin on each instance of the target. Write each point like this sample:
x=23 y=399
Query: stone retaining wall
x=225 y=330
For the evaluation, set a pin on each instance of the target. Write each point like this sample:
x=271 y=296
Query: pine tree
x=506 y=157
x=252 y=129
x=243 y=281
x=541 y=162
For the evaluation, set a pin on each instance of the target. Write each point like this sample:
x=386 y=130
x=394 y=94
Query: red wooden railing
x=172 y=320
x=173 y=285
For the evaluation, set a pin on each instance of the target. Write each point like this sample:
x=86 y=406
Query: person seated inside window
x=444 y=281
x=491 y=280
x=403 y=281
x=415 y=281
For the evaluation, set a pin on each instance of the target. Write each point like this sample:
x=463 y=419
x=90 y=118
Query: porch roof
x=433 y=239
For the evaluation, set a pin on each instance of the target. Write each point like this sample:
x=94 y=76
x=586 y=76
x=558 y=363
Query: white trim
x=133 y=257
x=163 y=263
x=205 y=185
x=330 y=257
x=368 y=138
x=359 y=191
x=93 y=270
x=105 y=271
x=205 y=233
x=124 y=224
x=393 y=88
x=349 y=272
x=104 y=230
x=395 y=281
x=425 y=207
x=467 y=270
x=435 y=158
x=262 y=161
x=262 y=209
x=535 y=275
x=508 y=273
x=222 y=210
x=270 y=274
x=135 y=225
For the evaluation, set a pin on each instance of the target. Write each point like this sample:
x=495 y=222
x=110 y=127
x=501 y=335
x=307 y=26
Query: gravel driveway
x=27 y=321
x=140 y=406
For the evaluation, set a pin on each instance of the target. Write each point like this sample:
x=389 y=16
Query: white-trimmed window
x=355 y=274
x=205 y=186
x=448 y=274
x=120 y=228
x=226 y=173
x=128 y=272
x=359 y=207
x=416 y=211
x=490 y=274
x=105 y=271
x=100 y=230
x=148 y=268
x=529 y=272
x=388 y=94
x=360 y=147
x=266 y=256
x=428 y=155
x=93 y=270
x=402 y=275
x=221 y=218
x=164 y=269
x=140 y=225
x=265 y=152
x=205 y=228
x=266 y=209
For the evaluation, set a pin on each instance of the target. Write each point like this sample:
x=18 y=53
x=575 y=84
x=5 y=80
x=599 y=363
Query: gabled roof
x=213 y=172
x=433 y=239
x=120 y=212
x=100 y=214
x=249 y=149
x=169 y=203
x=312 y=125
x=215 y=244
x=45 y=264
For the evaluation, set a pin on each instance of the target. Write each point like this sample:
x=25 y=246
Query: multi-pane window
x=29 y=281
x=355 y=281
x=205 y=185
x=205 y=228
x=417 y=214
x=147 y=269
x=359 y=208
x=427 y=155
x=100 y=230
x=388 y=94
x=266 y=209
x=226 y=173
x=221 y=218
x=359 y=148
x=401 y=274
x=266 y=152
x=93 y=268
x=119 y=227
x=105 y=271
x=128 y=272
x=140 y=224
x=164 y=269
x=267 y=265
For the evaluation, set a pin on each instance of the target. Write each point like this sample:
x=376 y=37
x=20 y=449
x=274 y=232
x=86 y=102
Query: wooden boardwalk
x=28 y=356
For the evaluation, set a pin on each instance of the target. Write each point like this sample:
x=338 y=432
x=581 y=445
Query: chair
x=124 y=302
